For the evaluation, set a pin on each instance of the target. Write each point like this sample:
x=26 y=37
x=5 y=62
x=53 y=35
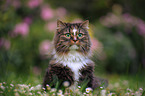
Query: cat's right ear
x=60 y=24
x=85 y=24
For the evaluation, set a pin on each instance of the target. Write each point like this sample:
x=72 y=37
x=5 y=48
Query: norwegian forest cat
x=70 y=58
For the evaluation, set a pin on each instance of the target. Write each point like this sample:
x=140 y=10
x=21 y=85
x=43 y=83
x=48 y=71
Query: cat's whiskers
x=83 y=49
x=60 y=46
x=63 y=54
x=60 y=53
x=63 y=47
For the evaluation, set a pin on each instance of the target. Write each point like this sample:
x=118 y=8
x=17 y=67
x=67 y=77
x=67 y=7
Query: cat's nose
x=75 y=39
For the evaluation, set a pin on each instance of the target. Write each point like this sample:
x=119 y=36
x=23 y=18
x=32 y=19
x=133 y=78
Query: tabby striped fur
x=70 y=57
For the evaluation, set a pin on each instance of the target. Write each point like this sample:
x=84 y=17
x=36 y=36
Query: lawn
x=119 y=85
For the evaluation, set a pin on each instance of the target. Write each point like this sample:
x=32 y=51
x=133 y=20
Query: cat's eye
x=80 y=35
x=67 y=35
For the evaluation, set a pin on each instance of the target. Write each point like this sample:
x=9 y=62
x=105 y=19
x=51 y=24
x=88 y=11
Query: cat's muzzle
x=74 y=47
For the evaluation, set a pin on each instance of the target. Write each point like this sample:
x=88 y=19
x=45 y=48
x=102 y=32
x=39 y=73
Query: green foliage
x=123 y=41
x=118 y=50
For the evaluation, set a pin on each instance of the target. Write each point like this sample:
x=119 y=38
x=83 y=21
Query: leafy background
x=117 y=30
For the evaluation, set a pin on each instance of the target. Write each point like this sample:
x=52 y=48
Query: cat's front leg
x=86 y=76
x=48 y=78
x=56 y=75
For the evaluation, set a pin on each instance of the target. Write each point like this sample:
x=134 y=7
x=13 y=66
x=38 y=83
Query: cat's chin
x=74 y=47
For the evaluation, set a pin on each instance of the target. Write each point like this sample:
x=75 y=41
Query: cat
x=70 y=60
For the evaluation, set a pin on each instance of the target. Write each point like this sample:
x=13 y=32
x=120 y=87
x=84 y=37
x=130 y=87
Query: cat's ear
x=85 y=24
x=60 y=24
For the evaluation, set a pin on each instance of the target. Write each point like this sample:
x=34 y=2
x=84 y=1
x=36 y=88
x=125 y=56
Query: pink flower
x=141 y=27
x=34 y=3
x=45 y=48
x=46 y=13
x=28 y=20
x=136 y=22
x=128 y=18
x=51 y=26
x=16 y=3
x=21 y=29
x=5 y=43
x=61 y=12
x=95 y=44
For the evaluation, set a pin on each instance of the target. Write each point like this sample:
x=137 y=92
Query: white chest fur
x=74 y=60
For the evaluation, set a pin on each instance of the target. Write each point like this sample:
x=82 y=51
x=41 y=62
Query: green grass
x=119 y=85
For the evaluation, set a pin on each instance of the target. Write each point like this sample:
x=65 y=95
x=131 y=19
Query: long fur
x=70 y=57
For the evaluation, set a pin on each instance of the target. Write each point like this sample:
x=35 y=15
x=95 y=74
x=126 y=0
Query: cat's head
x=72 y=37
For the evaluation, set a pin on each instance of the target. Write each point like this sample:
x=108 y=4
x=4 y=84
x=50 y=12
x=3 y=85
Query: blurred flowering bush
x=123 y=37
x=26 y=31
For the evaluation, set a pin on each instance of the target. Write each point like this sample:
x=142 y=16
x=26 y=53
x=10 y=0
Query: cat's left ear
x=60 y=24
x=85 y=24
